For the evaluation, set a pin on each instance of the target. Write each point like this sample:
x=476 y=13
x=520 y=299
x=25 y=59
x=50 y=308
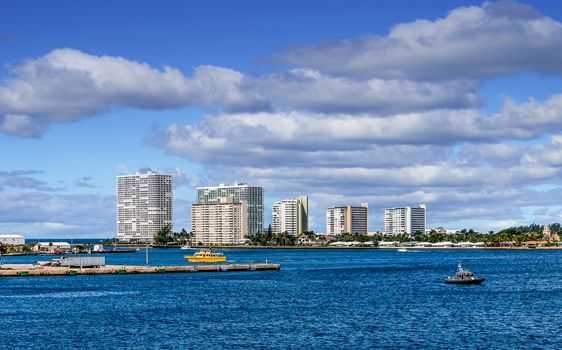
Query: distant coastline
x=339 y=247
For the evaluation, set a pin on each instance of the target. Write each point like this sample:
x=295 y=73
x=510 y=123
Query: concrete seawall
x=35 y=270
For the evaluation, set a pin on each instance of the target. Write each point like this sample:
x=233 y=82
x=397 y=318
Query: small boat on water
x=463 y=276
x=186 y=247
x=206 y=256
x=403 y=250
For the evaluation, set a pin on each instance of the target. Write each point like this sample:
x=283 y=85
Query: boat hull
x=198 y=259
x=465 y=281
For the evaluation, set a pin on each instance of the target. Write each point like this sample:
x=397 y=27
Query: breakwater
x=24 y=270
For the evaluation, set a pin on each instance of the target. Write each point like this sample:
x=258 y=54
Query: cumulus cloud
x=311 y=90
x=472 y=42
x=464 y=164
x=533 y=155
x=419 y=66
x=35 y=208
x=41 y=213
x=288 y=138
x=391 y=120
x=21 y=125
x=66 y=84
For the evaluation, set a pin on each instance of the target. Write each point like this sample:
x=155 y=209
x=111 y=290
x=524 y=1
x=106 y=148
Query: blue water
x=354 y=299
x=70 y=240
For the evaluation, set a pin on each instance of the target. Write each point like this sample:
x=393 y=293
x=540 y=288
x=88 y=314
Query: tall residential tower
x=224 y=222
x=347 y=219
x=144 y=205
x=290 y=215
x=252 y=195
x=406 y=220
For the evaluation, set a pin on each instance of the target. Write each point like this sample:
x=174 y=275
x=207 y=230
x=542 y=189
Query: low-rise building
x=98 y=248
x=11 y=239
x=383 y=244
x=442 y=244
x=469 y=244
x=50 y=247
x=534 y=244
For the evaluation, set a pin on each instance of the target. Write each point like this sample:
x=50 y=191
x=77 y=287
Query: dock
x=25 y=270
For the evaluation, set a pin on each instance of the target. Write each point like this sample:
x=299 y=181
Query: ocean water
x=321 y=299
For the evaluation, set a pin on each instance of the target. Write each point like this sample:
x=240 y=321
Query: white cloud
x=20 y=125
x=41 y=213
x=420 y=66
x=302 y=89
x=287 y=138
x=390 y=120
x=67 y=84
x=54 y=226
x=471 y=42
x=351 y=159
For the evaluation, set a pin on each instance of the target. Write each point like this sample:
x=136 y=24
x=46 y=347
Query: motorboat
x=463 y=276
x=206 y=256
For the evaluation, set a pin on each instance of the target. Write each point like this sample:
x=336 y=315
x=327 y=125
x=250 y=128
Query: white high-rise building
x=290 y=215
x=284 y=216
x=144 y=205
x=406 y=220
x=224 y=222
x=253 y=195
x=347 y=219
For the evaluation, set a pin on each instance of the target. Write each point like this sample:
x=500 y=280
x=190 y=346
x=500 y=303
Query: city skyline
x=455 y=105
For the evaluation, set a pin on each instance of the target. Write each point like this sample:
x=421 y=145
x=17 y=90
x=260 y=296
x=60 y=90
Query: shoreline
x=281 y=247
x=333 y=247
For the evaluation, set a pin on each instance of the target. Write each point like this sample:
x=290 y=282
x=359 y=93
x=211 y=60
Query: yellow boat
x=206 y=256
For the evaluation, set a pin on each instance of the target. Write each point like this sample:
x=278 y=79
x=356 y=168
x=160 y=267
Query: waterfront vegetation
x=11 y=249
x=166 y=236
x=513 y=236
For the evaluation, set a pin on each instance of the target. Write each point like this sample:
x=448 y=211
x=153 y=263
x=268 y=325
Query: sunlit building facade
x=347 y=219
x=144 y=205
x=252 y=195
x=290 y=215
x=405 y=221
x=224 y=222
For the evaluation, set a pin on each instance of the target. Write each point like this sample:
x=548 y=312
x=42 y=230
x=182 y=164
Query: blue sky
x=455 y=104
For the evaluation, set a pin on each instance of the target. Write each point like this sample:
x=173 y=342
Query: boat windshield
x=462 y=273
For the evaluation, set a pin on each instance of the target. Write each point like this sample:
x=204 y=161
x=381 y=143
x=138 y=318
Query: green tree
x=164 y=235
